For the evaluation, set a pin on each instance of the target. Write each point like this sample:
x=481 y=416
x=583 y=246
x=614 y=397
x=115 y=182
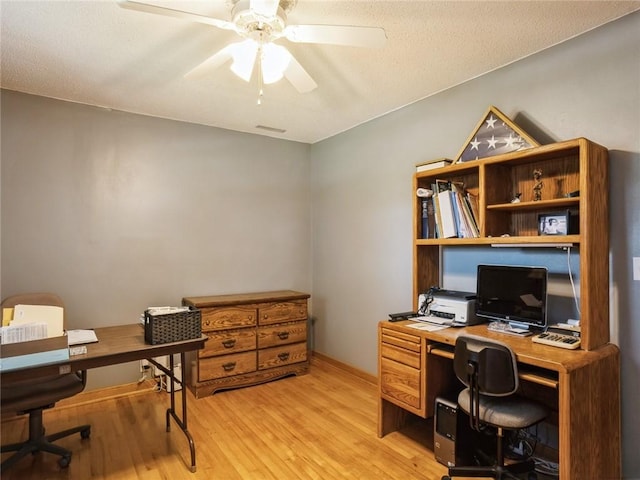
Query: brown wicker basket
x=172 y=327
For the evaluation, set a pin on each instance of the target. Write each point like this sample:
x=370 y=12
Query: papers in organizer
x=52 y=316
x=166 y=310
x=23 y=333
x=33 y=322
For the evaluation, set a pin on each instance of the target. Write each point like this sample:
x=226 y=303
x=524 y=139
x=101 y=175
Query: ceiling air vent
x=271 y=129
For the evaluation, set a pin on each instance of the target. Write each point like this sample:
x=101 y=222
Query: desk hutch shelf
x=573 y=166
x=415 y=366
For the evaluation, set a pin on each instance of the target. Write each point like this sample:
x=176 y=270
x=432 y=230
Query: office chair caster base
x=64 y=461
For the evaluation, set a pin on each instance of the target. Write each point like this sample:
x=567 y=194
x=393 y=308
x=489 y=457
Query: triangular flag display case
x=494 y=135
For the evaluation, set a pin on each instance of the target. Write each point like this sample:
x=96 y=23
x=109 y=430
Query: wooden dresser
x=253 y=338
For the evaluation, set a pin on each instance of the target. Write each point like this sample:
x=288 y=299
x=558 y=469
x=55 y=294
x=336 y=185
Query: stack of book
x=433 y=164
x=450 y=212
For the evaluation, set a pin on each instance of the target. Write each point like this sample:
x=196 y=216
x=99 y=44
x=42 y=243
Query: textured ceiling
x=96 y=53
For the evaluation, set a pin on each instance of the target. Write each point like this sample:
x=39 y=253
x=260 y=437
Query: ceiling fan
x=261 y=23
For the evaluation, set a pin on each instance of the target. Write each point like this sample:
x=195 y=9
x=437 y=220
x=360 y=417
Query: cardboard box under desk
x=35 y=352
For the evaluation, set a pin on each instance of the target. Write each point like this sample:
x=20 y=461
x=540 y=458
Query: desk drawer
x=282 y=334
x=400 y=355
x=226 y=365
x=228 y=317
x=277 y=356
x=400 y=339
x=229 y=341
x=400 y=382
x=282 y=312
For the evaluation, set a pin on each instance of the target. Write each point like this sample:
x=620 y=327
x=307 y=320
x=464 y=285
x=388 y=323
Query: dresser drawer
x=274 y=357
x=229 y=341
x=226 y=365
x=282 y=334
x=228 y=317
x=271 y=313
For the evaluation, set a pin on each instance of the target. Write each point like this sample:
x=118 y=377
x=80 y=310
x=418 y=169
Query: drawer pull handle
x=229 y=366
x=283 y=335
x=230 y=343
x=283 y=356
x=265 y=316
x=250 y=317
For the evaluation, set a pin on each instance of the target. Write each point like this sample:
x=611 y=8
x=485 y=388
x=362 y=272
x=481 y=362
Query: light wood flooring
x=316 y=426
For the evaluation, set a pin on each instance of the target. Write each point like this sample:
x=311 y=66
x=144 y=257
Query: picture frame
x=557 y=223
x=495 y=134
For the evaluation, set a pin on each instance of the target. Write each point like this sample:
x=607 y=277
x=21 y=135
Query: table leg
x=171 y=411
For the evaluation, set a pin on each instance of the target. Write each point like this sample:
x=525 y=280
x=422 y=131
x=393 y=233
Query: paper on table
x=78 y=337
x=429 y=327
x=52 y=316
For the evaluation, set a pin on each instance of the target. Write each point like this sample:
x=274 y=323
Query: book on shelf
x=424 y=205
x=472 y=200
x=467 y=227
x=433 y=164
x=428 y=218
x=437 y=232
x=447 y=214
x=450 y=213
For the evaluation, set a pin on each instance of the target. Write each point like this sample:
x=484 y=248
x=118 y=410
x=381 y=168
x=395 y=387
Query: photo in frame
x=557 y=223
x=495 y=134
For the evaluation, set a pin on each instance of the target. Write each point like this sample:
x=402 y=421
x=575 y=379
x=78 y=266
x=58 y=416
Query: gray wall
x=117 y=211
x=362 y=194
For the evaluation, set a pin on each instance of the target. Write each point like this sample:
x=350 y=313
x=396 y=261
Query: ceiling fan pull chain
x=260 y=80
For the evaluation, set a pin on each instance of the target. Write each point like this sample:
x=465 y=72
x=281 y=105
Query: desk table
x=122 y=344
x=582 y=389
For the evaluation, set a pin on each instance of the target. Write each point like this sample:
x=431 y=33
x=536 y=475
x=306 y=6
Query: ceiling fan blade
x=337 y=35
x=299 y=77
x=214 y=61
x=243 y=55
x=170 y=12
x=266 y=8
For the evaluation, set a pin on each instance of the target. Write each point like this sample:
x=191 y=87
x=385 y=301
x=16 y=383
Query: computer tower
x=452 y=436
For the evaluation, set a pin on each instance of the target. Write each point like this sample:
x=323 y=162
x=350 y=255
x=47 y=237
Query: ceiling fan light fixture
x=274 y=61
x=244 y=58
x=260 y=23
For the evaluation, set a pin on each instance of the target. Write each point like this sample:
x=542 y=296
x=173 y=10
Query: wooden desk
x=582 y=388
x=122 y=344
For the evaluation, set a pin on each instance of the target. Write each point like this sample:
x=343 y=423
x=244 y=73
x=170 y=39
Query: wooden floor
x=316 y=426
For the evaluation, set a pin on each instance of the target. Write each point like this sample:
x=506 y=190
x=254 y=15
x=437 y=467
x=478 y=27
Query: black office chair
x=489 y=371
x=33 y=396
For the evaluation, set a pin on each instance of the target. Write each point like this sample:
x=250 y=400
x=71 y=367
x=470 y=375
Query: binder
x=447 y=214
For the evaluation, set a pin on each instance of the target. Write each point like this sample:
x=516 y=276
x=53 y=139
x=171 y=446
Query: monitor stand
x=511 y=328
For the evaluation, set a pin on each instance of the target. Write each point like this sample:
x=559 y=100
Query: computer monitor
x=513 y=294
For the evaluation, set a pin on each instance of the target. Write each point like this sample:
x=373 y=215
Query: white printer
x=459 y=308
